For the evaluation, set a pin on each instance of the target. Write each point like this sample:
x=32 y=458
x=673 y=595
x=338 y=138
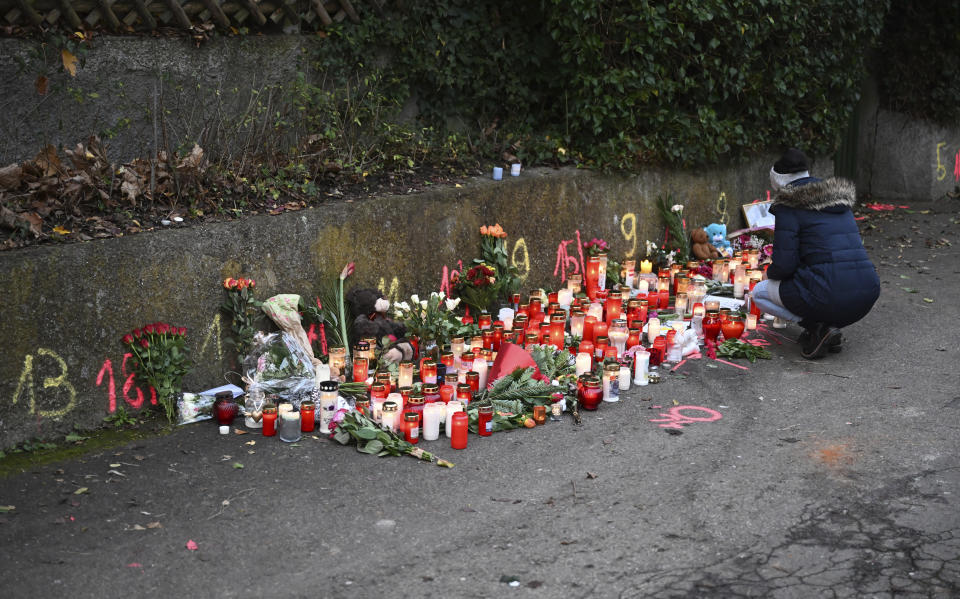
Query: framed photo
x=758 y=215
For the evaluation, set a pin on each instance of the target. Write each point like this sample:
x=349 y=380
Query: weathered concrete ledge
x=68 y=306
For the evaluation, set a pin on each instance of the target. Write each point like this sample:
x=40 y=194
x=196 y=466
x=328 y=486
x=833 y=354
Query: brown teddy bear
x=701 y=246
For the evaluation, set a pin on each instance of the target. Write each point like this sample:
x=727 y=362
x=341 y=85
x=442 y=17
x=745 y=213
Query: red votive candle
x=269 y=421
x=464 y=393
x=411 y=427
x=458 y=430
x=485 y=421
x=614 y=308
x=360 y=370
x=447 y=392
x=307 y=416
x=484 y=321
x=497 y=335
x=600 y=330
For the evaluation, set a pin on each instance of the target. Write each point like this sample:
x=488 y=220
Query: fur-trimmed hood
x=819 y=195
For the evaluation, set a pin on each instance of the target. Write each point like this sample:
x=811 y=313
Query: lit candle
x=711 y=305
x=653 y=329
x=564 y=298
x=405 y=376
x=389 y=416
x=584 y=363
x=396 y=398
x=574 y=283
x=751 y=322
x=592 y=277
x=328 y=404
x=681 y=304
x=557 y=325
x=506 y=316
x=481 y=368
x=576 y=323
x=431 y=420
x=643 y=286
x=646 y=266
x=360 y=369
x=739 y=282
x=451 y=408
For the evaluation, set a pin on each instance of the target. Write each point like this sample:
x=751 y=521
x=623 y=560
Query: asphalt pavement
x=829 y=478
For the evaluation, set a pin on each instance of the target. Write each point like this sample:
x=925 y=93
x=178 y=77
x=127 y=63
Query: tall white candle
x=584 y=362
x=624 y=378
x=751 y=322
x=452 y=408
x=643 y=286
x=480 y=367
x=431 y=420
x=576 y=325
x=640 y=366
x=653 y=329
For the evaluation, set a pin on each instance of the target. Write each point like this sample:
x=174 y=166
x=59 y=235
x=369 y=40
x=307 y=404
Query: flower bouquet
x=243 y=310
x=431 y=319
x=161 y=359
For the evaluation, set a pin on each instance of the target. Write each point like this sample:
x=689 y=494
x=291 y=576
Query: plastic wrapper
x=279 y=366
x=194 y=407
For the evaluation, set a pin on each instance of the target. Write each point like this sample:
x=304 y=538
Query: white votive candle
x=431 y=420
x=653 y=329
x=584 y=363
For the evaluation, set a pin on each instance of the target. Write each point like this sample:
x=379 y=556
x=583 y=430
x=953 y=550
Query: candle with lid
x=458 y=436
x=481 y=367
x=641 y=362
x=751 y=322
x=428 y=372
x=360 y=370
x=653 y=329
x=485 y=421
x=329 y=392
x=411 y=427
x=390 y=415
x=269 y=420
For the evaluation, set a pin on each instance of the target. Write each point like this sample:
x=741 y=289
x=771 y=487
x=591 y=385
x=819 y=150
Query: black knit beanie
x=792 y=161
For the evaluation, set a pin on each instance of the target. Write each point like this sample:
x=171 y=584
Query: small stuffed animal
x=718 y=237
x=701 y=246
x=369 y=310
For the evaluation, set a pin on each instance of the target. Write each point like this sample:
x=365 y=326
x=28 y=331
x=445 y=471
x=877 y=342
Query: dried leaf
x=60 y=230
x=41 y=85
x=69 y=62
x=137 y=527
x=81 y=491
x=928 y=300
x=11 y=176
x=154 y=525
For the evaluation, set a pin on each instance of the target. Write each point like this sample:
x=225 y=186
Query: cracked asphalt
x=832 y=478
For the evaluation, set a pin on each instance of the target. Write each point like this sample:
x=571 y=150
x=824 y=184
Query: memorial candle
x=575 y=283
x=269 y=420
x=431 y=421
x=641 y=362
x=588 y=324
x=576 y=324
x=452 y=408
x=614 y=307
x=643 y=286
x=411 y=427
x=485 y=421
x=653 y=329
x=751 y=322
x=405 y=376
x=646 y=266
x=458 y=433
x=482 y=369
x=428 y=372
x=600 y=329
x=584 y=363
x=592 y=276
x=602 y=274
x=557 y=325
x=360 y=370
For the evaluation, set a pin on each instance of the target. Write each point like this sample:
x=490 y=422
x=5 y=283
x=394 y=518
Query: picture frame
x=758 y=214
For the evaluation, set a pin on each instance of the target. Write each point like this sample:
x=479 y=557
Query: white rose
x=452 y=304
x=423 y=304
x=677 y=208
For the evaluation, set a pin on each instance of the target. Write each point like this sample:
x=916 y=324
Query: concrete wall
x=67 y=306
x=143 y=94
x=902 y=158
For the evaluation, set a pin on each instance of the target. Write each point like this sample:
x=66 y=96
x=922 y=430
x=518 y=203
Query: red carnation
x=127 y=339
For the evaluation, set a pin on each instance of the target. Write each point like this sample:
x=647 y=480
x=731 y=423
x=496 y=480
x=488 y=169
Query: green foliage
x=692 y=81
x=735 y=348
x=919 y=59
x=121 y=418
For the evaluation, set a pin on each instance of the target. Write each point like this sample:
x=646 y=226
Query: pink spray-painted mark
x=675 y=417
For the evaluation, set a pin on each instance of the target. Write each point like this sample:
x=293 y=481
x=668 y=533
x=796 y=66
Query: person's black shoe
x=837 y=345
x=821 y=339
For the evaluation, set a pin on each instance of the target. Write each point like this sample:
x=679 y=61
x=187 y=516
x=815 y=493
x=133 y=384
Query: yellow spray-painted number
x=722 y=208
x=941 y=167
x=213 y=334
x=523 y=265
x=629 y=231
x=25 y=385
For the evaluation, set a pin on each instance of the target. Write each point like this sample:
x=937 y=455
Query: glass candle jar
x=733 y=327
x=253 y=406
x=590 y=393
x=458 y=433
x=379 y=391
x=464 y=393
x=428 y=372
x=269 y=420
x=447 y=391
x=540 y=414
x=592 y=276
x=405 y=374
x=473 y=381
x=657 y=351
x=360 y=370
x=411 y=427
x=498 y=330
x=485 y=321
x=329 y=393
x=613 y=308
x=600 y=329
x=711 y=325
x=390 y=415
x=307 y=416
x=338 y=359
x=476 y=344
x=290 y=426
x=575 y=283
x=431 y=393
x=611 y=382
x=485 y=421
x=576 y=323
x=618 y=335
x=557 y=326
x=453 y=407
x=556 y=410
x=415 y=403
x=363 y=406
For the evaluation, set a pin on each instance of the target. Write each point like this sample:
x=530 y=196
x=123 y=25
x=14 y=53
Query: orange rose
x=228 y=283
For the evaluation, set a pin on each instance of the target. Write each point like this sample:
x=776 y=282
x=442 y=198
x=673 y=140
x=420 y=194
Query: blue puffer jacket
x=818 y=255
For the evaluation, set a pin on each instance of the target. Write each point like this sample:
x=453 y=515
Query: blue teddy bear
x=718 y=237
